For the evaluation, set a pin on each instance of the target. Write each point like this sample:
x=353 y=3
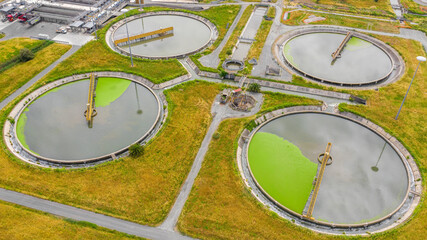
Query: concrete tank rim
x=397 y=63
x=404 y=162
x=113 y=28
x=53 y=85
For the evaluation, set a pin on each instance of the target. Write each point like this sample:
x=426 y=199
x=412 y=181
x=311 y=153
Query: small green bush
x=25 y=55
x=254 y=87
x=136 y=150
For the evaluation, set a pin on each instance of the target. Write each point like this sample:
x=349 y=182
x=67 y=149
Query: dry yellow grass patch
x=10 y=48
x=18 y=222
x=21 y=73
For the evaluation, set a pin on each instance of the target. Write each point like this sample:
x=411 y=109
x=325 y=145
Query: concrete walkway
x=219 y=113
x=38 y=77
x=212 y=60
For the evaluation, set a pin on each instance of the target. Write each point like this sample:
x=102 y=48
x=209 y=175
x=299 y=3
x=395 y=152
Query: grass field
x=274 y=101
x=95 y=56
x=139 y=189
x=18 y=222
x=261 y=36
x=297 y=18
x=364 y=7
x=18 y=75
x=420 y=22
x=228 y=47
x=10 y=48
x=414 y=7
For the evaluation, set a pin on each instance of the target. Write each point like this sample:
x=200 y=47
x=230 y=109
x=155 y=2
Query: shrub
x=136 y=150
x=25 y=55
x=223 y=74
x=216 y=135
x=254 y=87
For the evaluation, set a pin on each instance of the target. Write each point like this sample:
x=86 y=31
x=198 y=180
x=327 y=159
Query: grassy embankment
x=414 y=7
x=10 y=48
x=139 y=189
x=228 y=47
x=16 y=76
x=381 y=8
x=261 y=36
x=420 y=22
x=297 y=18
x=220 y=206
x=18 y=222
x=220 y=16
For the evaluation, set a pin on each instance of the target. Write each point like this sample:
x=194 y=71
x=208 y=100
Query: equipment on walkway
x=325 y=161
x=337 y=53
x=161 y=33
x=91 y=111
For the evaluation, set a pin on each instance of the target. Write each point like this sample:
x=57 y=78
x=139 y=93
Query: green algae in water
x=109 y=89
x=289 y=57
x=282 y=170
x=356 y=43
x=20 y=129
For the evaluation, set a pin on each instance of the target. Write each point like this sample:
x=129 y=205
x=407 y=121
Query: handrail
x=326 y=157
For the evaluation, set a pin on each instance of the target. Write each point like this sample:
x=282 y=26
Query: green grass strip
x=282 y=170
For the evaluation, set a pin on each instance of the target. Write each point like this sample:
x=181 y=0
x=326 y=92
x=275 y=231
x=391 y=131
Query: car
x=62 y=30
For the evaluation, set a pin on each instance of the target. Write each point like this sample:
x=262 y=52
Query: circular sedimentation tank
x=53 y=126
x=361 y=60
x=366 y=183
x=191 y=33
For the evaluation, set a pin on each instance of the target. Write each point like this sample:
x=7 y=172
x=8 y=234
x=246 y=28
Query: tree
x=25 y=55
x=254 y=87
x=136 y=150
x=223 y=74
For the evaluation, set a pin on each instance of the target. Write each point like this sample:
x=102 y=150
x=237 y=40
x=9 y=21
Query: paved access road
x=83 y=215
